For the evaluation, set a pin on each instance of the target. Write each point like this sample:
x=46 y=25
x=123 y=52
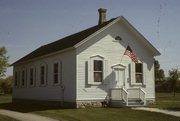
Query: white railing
x=142 y=95
x=133 y=92
x=137 y=93
x=125 y=96
x=119 y=94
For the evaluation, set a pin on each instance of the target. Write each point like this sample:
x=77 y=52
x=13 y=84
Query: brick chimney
x=102 y=15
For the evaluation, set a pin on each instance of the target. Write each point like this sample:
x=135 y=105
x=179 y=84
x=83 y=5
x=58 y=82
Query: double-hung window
x=23 y=78
x=16 y=79
x=139 y=72
x=31 y=76
x=42 y=74
x=57 y=72
x=98 y=70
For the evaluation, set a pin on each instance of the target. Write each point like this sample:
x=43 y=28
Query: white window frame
x=34 y=76
x=133 y=73
x=91 y=69
x=59 y=72
x=136 y=73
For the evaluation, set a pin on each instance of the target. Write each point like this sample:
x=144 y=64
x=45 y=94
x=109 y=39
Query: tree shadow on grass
x=29 y=107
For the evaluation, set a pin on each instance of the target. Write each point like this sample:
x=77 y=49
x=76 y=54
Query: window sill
x=137 y=84
x=96 y=83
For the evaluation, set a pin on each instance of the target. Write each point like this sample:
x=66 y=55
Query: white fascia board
x=97 y=32
x=146 y=42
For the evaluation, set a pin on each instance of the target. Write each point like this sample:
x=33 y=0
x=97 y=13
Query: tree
x=3 y=61
x=159 y=73
x=6 y=85
x=173 y=78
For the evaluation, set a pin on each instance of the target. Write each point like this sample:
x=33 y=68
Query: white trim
x=146 y=42
x=91 y=69
x=97 y=32
x=121 y=66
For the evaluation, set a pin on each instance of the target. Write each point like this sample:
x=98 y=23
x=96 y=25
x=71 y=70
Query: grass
x=167 y=101
x=91 y=114
x=106 y=114
x=5 y=118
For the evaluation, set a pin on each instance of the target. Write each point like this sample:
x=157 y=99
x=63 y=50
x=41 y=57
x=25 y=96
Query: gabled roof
x=76 y=39
x=63 y=43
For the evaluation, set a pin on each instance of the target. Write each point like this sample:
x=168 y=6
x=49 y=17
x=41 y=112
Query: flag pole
x=123 y=53
x=122 y=56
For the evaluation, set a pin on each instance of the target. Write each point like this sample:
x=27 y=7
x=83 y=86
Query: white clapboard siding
x=112 y=50
x=49 y=91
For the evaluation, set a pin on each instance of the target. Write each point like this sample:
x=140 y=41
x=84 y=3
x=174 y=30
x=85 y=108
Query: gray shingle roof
x=63 y=43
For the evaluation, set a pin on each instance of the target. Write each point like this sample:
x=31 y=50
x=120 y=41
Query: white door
x=119 y=79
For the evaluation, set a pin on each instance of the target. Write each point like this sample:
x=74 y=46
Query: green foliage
x=159 y=73
x=173 y=78
x=6 y=85
x=3 y=61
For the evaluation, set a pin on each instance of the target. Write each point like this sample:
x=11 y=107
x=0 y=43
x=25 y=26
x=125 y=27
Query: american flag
x=131 y=54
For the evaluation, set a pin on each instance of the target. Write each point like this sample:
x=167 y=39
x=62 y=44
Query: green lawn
x=90 y=114
x=106 y=114
x=167 y=101
x=5 y=118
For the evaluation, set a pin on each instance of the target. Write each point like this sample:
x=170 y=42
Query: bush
x=6 y=85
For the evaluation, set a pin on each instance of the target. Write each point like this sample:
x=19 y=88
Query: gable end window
x=139 y=72
x=98 y=70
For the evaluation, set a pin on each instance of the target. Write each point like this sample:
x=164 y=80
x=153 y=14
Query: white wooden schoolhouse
x=109 y=63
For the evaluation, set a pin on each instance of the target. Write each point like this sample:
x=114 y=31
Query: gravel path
x=168 y=112
x=25 y=116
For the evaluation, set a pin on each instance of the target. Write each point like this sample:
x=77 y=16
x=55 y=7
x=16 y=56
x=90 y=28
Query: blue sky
x=28 y=24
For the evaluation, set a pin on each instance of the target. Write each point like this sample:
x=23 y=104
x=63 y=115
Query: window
x=56 y=72
x=16 y=79
x=42 y=75
x=98 y=71
x=139 y=72
x=31 y=76
x=23 y=78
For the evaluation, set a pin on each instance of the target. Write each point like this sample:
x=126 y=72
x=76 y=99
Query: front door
x=119 y=77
